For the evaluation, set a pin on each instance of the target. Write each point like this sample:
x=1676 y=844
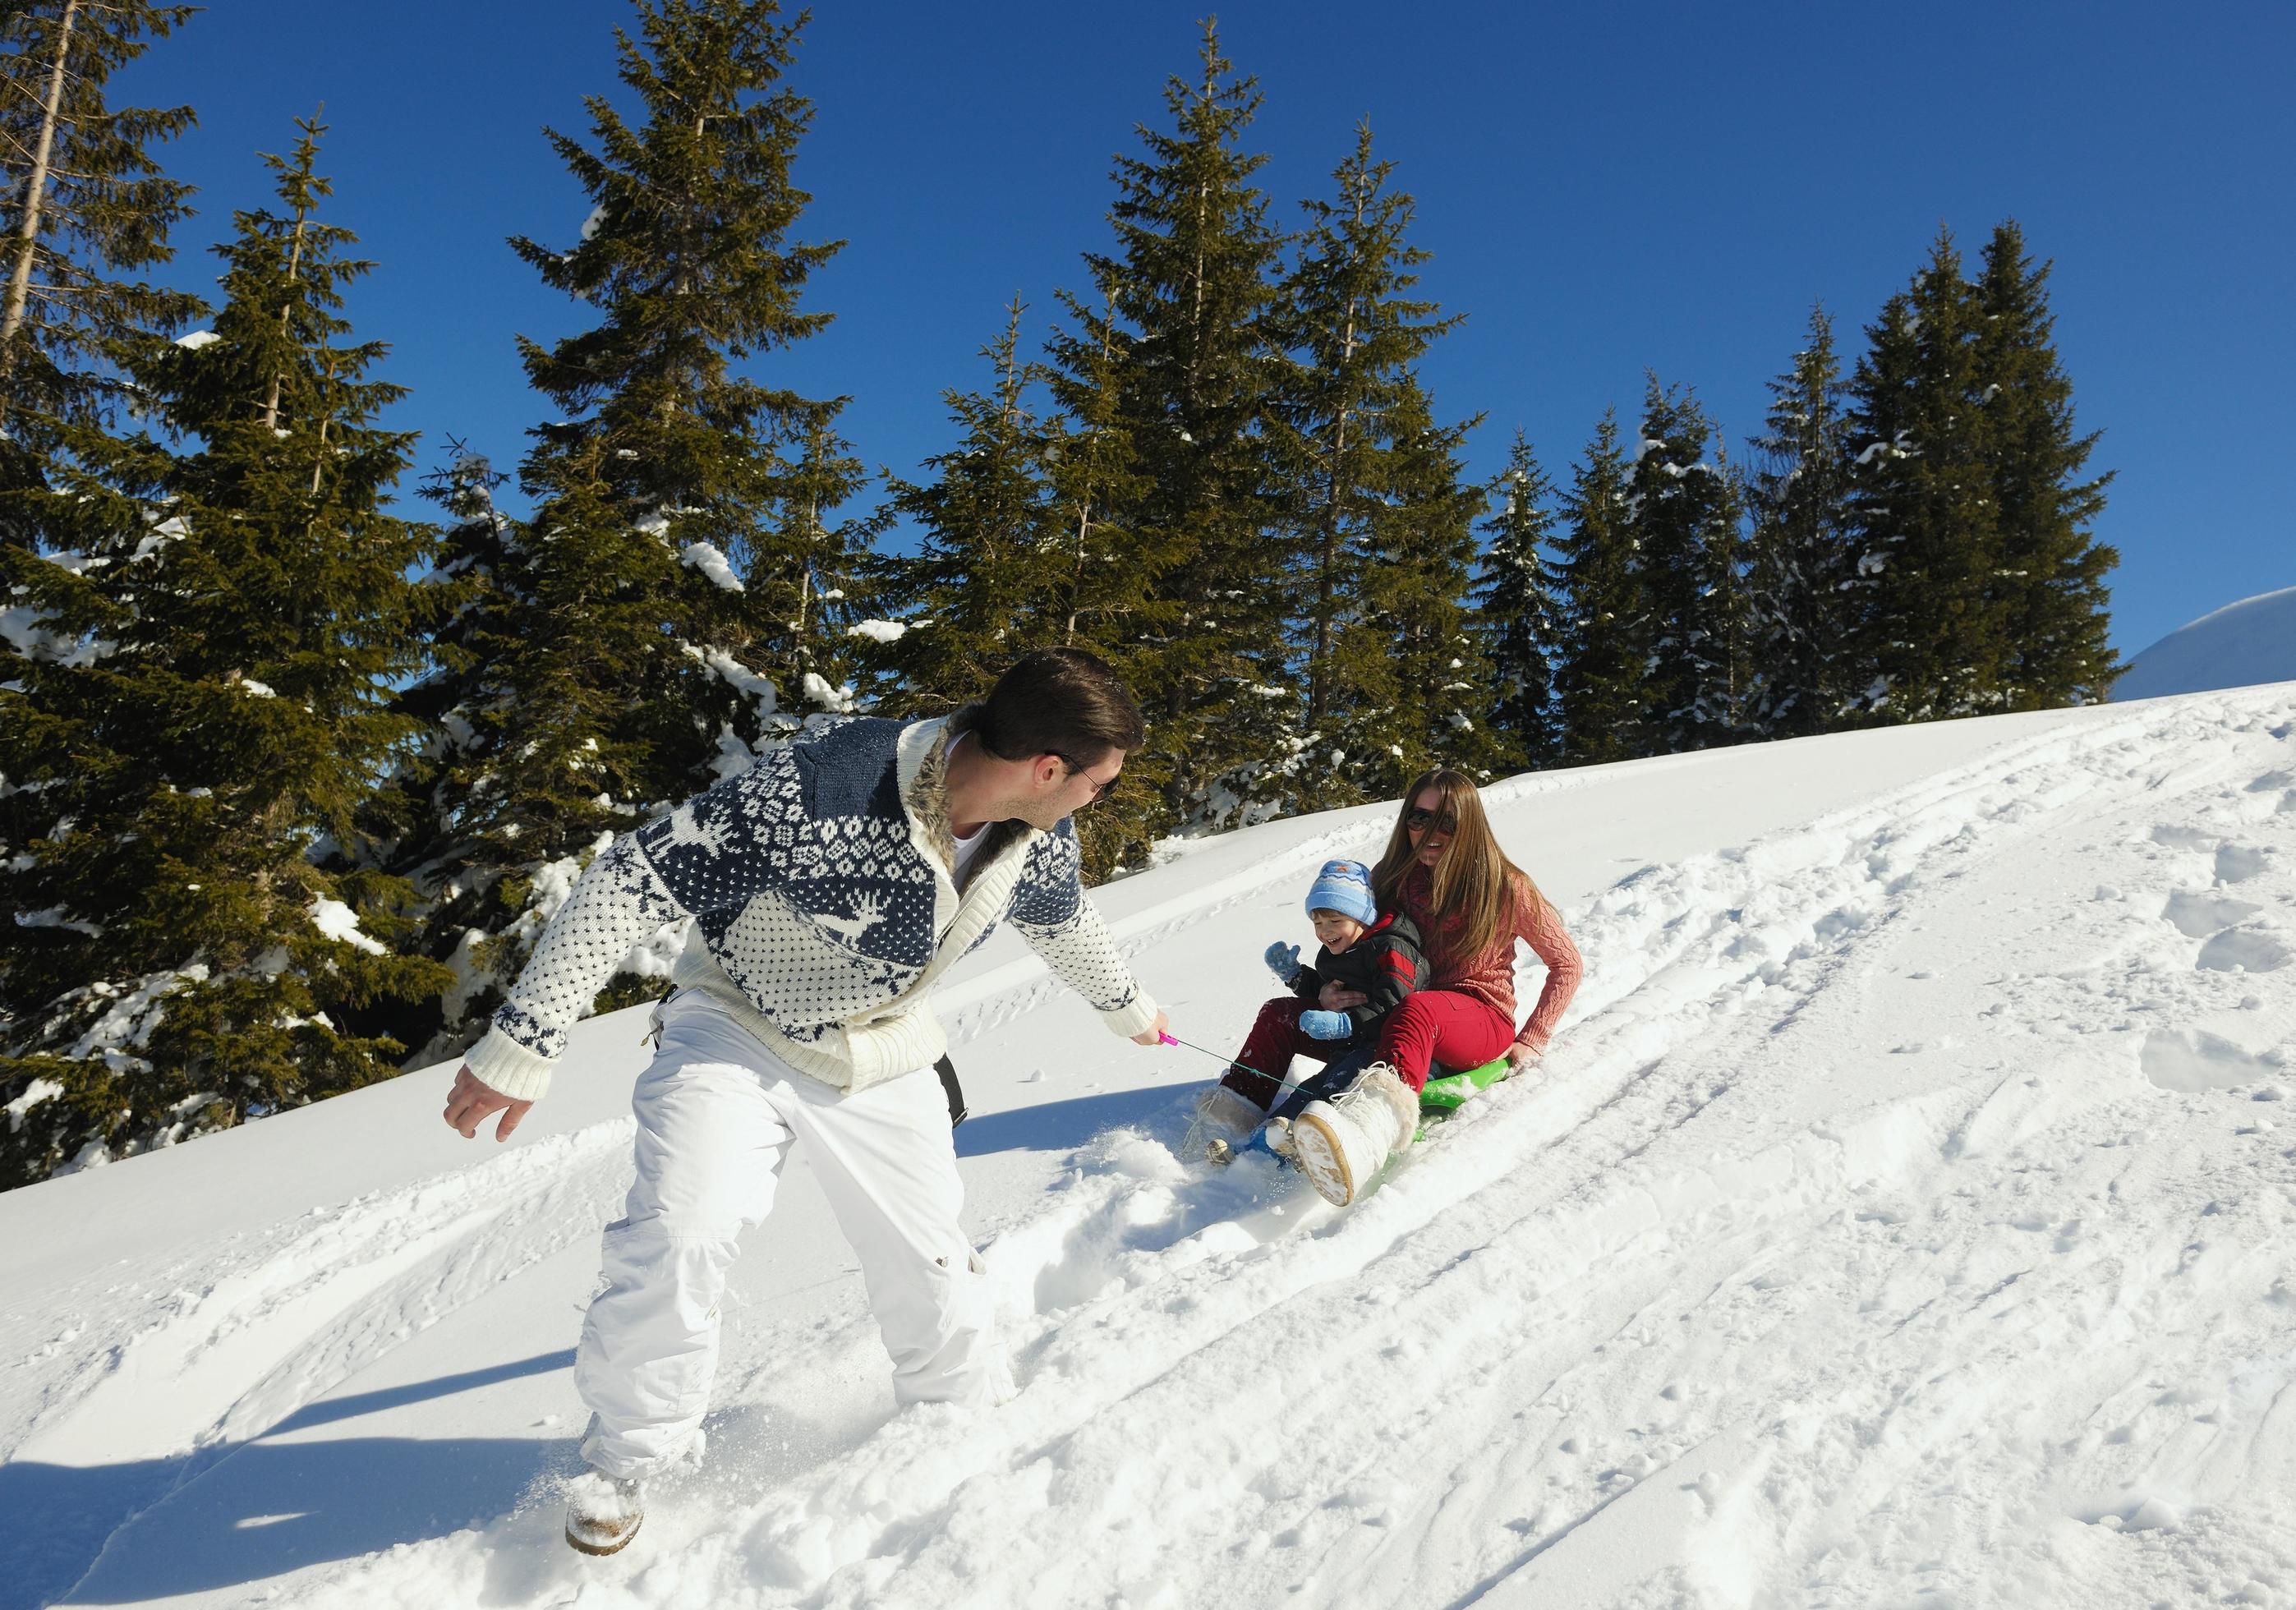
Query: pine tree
x=1602 y=675
x=1355 y=331
x=84 y=207
x=989 y=581
x=191 y=782
x=1111 y=587
x=1799 y=557
x=1110 y=596
x=1684 y=502
x=1928 y=639
x=428 y=818
x=1434 y=691
x=2049 y=570
x=809 y=572
x=1189 y=291
x=1519 y=616
x=614 y=681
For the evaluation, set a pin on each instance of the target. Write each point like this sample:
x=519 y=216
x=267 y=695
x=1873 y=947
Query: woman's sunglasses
x=1420 y=821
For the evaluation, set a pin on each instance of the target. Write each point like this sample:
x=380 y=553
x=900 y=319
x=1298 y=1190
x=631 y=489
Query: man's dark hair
x=1056 y=702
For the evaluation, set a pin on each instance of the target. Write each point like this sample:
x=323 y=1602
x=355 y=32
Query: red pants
x=1430 y=1027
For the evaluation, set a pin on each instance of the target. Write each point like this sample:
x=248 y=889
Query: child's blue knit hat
x=1344 y=887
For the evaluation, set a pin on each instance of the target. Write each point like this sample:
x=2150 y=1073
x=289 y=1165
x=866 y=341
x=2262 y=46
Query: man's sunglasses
x=1419 y=821
x=1075 y=768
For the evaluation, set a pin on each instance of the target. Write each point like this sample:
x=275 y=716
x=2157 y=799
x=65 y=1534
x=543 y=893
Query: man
x=832 y=885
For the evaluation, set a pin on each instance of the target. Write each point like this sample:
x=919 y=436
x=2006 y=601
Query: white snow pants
x=716 y=1114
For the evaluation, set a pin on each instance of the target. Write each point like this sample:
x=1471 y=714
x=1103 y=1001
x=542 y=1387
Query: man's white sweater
x=825 y=910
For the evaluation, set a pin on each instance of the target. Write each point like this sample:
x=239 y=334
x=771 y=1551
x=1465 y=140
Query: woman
x=1443 y=869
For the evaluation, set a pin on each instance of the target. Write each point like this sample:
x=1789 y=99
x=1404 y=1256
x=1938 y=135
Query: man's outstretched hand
x=470 y=1104
x=1153 y=1034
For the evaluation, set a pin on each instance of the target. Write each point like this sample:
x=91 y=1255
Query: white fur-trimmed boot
x=1341 y=1144
x=1225 y=1120
x=603 y=1512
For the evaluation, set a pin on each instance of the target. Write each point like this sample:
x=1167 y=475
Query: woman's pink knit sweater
x=1489 y=977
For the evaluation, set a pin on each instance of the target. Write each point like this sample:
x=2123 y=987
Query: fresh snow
x=1901 y=1217
x=338 y=922
x=2243 y=643
x=710 y=560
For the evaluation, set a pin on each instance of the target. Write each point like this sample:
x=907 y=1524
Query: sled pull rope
x=1170 y=1039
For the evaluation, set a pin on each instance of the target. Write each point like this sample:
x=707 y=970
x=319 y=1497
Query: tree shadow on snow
x=225 y=1517
x=288 y=1506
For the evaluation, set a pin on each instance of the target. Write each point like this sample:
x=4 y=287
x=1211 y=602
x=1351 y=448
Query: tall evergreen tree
x=991 y=579
x=427 y=820
x=1684 y=499
x=808 y=572
x=2049 y=568
x=1188 y=291
x=614 y=681
x=1354 y=332
x=1928 y=639
x=83 y=208
x=184 y=789
x=1519 y=615
x=1434 y=694
x=1601 y=677
x=1799 y=555
x=1113 y=597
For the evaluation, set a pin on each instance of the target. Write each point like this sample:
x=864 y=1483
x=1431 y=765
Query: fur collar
x=926 y=800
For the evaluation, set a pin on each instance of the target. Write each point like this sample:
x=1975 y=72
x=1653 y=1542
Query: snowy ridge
x=2249 y=641
x=1901 y=1215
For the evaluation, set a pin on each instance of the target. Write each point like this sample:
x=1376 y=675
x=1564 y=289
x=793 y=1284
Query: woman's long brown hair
x=1473 y=880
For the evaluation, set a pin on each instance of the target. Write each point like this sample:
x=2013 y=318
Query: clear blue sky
x=1606 y=189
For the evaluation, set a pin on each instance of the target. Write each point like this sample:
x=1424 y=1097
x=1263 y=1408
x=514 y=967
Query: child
x=1379 y=955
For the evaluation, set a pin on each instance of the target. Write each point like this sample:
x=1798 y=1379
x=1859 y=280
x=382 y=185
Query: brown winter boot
x=602 y=1513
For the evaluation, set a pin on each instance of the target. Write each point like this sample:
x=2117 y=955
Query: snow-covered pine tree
x=1415 y=558
x=1190 y=283
x=1799 y=563
x=1354 y=331
x=1109 y=598
x=1372 y=537
x=1682 y=495
x=991 y=579
x=426 y=817
x=206 y=924
x=1928 y=640
x=1519 y=617
x=2049 y=570
x=808 y=572
x=83 y=208
x=613 y=679
x=1601 y=677
x=1112 y=597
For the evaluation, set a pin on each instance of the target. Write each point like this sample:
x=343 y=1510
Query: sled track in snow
x=245 y=1338
x=1649 y=1235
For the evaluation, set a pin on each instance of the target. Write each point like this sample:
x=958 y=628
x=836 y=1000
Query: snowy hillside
x=2239 y=645
x=1903 y=1217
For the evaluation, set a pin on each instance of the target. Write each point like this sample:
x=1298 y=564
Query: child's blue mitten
x=1283 y=960
x=1326 y=1025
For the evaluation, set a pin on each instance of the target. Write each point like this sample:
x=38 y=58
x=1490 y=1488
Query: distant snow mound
x=2239 y=644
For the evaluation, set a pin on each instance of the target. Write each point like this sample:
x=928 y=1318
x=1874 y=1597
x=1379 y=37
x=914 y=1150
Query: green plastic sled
x=1441 y=1097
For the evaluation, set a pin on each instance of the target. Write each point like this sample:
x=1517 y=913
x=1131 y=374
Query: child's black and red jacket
x=1386 y=963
